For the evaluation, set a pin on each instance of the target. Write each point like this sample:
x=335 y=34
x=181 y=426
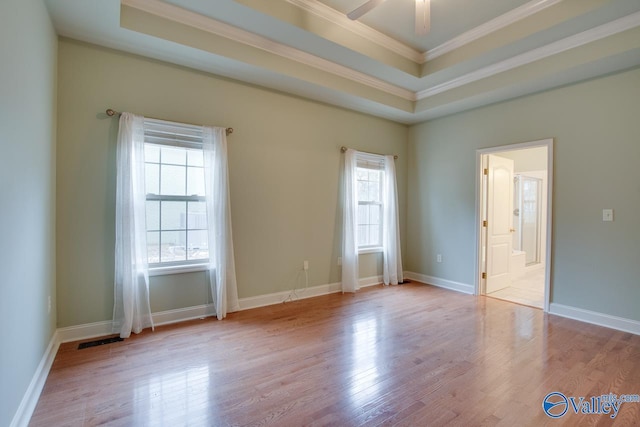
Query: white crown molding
x=219 y=28
x=489 y=27
x=338 y=18
x=597 y=33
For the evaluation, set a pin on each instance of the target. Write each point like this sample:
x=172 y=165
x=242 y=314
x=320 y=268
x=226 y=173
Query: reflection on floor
x=527 y=289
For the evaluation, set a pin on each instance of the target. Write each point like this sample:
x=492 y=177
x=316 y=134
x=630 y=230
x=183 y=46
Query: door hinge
x=486 y=171
x=484 y=275
x=484 y=223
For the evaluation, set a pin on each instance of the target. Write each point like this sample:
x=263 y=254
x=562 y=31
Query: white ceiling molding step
x=219 y=28
x=338 y=18
x=489 y=27
x=356 y=27
x=597 y=33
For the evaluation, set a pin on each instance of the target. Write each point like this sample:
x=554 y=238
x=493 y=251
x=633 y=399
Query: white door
x=499 y=222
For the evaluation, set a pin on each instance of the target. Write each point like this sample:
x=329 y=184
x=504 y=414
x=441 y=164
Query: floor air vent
x=99 y=342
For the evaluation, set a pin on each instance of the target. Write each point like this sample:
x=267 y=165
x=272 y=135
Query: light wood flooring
x=408 y=355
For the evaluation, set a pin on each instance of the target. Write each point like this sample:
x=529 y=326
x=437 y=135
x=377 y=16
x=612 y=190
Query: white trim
x=479 y=206
x=313 y=291
x=239 y=35
x=222 y=29
x=596 y=318
x=183 y=314
x=439 y=282
x=279 y=297
x=340 y=19
x=597 y=33
x=489 y=27
x=101 y=329
x=85 y=331
x=370 y=250
x=32 y=395
x=177 y=269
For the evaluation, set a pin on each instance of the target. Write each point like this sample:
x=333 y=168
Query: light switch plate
x=607 y=214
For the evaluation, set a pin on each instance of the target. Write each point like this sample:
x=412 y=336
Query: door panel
x=499 y=222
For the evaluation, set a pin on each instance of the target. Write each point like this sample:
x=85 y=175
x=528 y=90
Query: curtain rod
x=343 y=149
x=111 y=112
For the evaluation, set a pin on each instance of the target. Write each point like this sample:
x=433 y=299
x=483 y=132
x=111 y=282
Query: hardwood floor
x=409 y=355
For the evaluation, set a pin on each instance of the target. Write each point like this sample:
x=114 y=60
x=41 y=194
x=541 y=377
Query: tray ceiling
x=476 y=53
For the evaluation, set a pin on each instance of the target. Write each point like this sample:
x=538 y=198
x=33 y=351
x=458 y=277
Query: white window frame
x=162 y=133
x=371 y=162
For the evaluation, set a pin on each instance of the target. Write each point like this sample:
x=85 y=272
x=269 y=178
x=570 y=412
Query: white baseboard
x=100 y=329
x=595 y=318
x=84 y=332
x=31 y=396
x=313 y=291
x=441 y=283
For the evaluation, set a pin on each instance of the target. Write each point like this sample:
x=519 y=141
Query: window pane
x=363 y=191
x=152 y=178
x=374 y=191
x=153 y=248
x=173 y=180
x=195 y=158
x=363 y=214
x=198 y=247
x=361 y=174
x=174 y=215
x=363 y=235
x=197 y=215
x=151 y=153
x=173 y=246
x=195 y=181
x=153 y=215
x=174 y=155
x=374 y=214
x=374 y=235
x=374 y=175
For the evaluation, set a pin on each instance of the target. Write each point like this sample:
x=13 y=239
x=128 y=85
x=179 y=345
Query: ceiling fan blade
x=423 y=17
x=364 y=8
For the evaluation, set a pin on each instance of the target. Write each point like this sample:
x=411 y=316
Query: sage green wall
x=284 y=163
x=27 y=191
x=596 y=128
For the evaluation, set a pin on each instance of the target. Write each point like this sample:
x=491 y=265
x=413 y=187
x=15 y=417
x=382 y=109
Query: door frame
x=480 y=196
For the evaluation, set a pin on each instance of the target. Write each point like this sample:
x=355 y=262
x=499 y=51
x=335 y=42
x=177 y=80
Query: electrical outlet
x=439 y=258
x=49 y=304
x=305 y=265
x=339 y=260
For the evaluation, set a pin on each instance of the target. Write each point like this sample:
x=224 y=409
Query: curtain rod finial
x=343 y=149
x=111 y=112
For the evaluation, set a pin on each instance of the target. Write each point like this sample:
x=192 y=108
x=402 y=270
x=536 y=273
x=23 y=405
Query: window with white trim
x=370 y=177
x=176 y=213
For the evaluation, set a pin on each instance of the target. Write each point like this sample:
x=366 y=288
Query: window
x=370 y=176
x=176 y=212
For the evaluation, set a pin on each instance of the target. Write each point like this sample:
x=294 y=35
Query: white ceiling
x=478 y=52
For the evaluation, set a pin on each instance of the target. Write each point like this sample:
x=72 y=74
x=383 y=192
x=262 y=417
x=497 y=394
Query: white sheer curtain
x=222 y=270
x=350 y=224
x=392 y=257
x=131 y=310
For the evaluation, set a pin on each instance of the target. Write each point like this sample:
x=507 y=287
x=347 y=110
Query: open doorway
x=514 y=185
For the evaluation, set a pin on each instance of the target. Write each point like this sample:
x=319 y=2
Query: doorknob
x=512 y=230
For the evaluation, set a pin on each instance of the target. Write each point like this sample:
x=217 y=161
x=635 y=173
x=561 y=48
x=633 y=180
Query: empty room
x=320 y=212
